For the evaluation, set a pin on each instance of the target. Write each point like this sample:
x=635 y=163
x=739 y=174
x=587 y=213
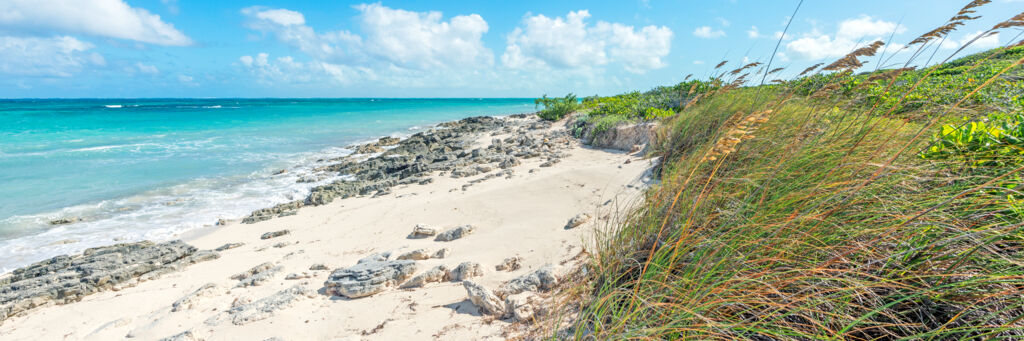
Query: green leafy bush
x=556 y=108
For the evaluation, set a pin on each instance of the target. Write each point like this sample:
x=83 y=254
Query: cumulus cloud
x=864 y=29
x=59 y=56
x=101 y=18
x=394 y=37
x=571 y=43
x=753 y=33
x=708 y=33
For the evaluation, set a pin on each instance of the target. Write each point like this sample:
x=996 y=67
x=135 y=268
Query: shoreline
x=343 y=228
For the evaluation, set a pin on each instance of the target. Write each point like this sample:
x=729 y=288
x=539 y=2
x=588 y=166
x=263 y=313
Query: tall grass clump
x=810 y=209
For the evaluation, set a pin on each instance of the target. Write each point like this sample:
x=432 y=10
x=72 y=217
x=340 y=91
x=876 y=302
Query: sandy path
x=524 y=216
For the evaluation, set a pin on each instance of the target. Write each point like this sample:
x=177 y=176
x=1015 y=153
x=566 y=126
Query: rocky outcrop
x=189 y=300
x=509 y=264
x=368 y=278
x=449 y=148
x=65 y=279
x=422 y=231
x=544 y=278
x=467 y=270
x=274 y=234
x=524 y=306
x=261 y=309
x=418 y=254
x=578 y=220
x=455 y=233
x=436 y=274
x=485 y=299
x=257 y=275
x=622 y=137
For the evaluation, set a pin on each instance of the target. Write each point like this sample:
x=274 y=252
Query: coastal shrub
x=798 y=212
x=556 y=108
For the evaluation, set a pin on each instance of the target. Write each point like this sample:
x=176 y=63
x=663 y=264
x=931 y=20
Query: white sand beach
x=524 y=216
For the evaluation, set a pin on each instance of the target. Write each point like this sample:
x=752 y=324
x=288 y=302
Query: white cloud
x=392 y=37
x=143 y=68
x=570 y=43
x=753 y=33
x=698 y=62
x=986 y=42
x=865 y=30
x=723 y=21
x=708 y=33
x=102 y=18
x=59 y=56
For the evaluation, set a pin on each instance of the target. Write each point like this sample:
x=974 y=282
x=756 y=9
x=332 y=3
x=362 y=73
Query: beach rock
x=467 y=270
x=229 y=246
x=369 y=148
x=65 y=279
x=509 y=163
x=295 y=276
x=365 y=279
x=376 y=257
x=318 y=266
x=276 y=211
x=509 y=264
x=261 y=309
x=578 y=220
x=65 y=221
x=280 y=172
x=544 y=278
x=257 y=275
x=436 y=274
x=524 y=306
x=419 y=254
x=187 y=335
x=484 y=299
x=422 y=231
x=442 y=253
x=455 y=233
x=274 y=234
x=189 y=300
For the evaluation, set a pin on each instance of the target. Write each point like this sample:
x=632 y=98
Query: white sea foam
x=164 y=213
x=114 y=106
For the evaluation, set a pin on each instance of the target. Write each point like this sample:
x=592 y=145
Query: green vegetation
x=556 y=108
x=885 y=205
x=602 y=113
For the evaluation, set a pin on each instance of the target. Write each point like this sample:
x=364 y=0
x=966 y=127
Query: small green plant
x=998 y=140
x=556 y=108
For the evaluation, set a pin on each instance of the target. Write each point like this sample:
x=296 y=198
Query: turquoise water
x=150 y=169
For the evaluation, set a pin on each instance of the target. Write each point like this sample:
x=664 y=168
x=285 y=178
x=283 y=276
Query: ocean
x=150 y=169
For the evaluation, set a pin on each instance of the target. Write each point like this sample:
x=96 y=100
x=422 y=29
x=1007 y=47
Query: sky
x=247 y=48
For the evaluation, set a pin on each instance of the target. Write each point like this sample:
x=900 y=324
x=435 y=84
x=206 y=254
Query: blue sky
x=182 y=48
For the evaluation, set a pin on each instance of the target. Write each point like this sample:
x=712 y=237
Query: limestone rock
x=376 y=257
x=484 y=299
x=262 y=308
x=544 y=278
x=578 y=220
x=368 y=278
x=65 y=279
x=187 y=335
x=274 y=234
x=229 y=246
x=189 y=300
x=442 y=253
x=509 y=264
x=257 y=275
x=419 y=254
x=524 y=306
x=318 y=266
x=422 y=231
x=467 y=270
x=436 y=274
x=455 y=233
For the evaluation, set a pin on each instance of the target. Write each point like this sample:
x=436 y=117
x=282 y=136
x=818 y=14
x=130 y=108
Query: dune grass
x=805 y=210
